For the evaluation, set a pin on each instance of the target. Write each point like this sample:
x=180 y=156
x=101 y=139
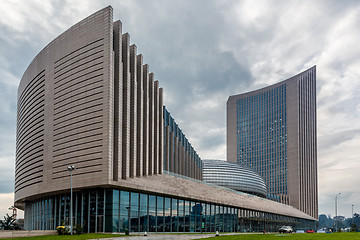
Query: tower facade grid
x=262 y=138
x=273 y=131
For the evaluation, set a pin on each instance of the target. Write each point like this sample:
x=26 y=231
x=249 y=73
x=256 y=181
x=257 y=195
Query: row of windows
x=262 y=137
x=116 y=211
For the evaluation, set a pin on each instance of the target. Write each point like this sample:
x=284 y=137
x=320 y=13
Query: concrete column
x=171 y=152
x=161 y=132
x=167 y=149
x=178 y=150
x=133 y=111
x=151 y=124
x=118 y=97
x=126 y=107
x=145 y=120
x=140 y=119
x=176 y=155
x=188 y=161
x=156 y=127
x=183 y=155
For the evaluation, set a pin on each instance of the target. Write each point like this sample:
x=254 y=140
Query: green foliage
x=9 y=223
x=353 y=227
x=78 y=229
x=325 y=221
x=62 y=230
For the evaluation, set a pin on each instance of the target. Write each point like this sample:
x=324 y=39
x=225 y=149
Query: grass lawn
x=69 y=237
x=293 y=236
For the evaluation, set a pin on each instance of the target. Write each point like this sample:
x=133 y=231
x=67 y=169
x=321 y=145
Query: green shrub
x=62 y=230
x=78 y=229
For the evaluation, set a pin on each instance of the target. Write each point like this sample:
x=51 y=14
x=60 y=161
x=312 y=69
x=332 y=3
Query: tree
x=325 y=222
x=9 y=223
x=356 y=221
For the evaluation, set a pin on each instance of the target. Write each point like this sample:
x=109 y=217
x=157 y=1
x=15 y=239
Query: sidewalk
x=154 y=236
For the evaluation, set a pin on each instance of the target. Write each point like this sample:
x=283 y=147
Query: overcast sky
x=203 y=51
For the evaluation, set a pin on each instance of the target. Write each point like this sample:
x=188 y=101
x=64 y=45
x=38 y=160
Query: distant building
x=273 y=131
x=88 y=100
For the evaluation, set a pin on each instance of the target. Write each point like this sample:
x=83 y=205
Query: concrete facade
x=80 y=103
x=88 y=100
x=180 y=157
x=279 y=140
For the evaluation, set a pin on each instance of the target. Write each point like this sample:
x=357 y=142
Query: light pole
x=352 y=214
x=336 y=211
x=71 y=169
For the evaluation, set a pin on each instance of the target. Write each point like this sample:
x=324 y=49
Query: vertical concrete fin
x=161 y=132
x=140 y=119
x=126 y=107
x=166 y=148
x=151 y=124
x=145 y=120
x=133 y=111
x=118 y=83
x=156 y=126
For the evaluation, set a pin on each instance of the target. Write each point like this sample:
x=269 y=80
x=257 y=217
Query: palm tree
x=9 y=223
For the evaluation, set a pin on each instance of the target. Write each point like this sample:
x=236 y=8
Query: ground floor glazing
x=113 y=210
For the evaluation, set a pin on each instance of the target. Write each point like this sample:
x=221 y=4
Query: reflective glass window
x=160 y=214
x=134 y=211
x=124 y=211
x=152 y=213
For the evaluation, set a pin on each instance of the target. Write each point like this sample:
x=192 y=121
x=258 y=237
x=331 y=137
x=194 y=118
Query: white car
x=285 y=229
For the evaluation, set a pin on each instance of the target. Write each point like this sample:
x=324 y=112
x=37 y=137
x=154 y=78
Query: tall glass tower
x=273 y=131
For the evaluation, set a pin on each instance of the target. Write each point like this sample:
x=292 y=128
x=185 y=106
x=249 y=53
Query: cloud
x=6 y=201
x=204 y=51
x=7 y=176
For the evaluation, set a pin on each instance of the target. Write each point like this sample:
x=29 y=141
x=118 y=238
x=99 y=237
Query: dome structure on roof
x=233 y=176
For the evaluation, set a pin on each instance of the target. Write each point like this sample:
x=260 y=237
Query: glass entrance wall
x=110 y=210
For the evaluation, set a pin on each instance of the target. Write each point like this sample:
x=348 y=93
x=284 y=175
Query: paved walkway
x=154 y=236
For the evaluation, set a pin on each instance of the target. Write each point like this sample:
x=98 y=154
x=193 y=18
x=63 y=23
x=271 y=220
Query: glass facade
x=111 y=210
x=262 y=138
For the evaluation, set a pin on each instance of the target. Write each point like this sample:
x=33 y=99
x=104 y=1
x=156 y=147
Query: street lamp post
x=352 y=214
x=336 y=211
x=71 y=169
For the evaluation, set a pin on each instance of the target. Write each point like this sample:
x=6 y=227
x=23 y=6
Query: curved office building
x=273 y=131
x=234 y=176
x=88 y=100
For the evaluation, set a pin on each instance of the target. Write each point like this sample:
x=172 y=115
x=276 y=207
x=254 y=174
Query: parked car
x=310 y=231
x=285 y=229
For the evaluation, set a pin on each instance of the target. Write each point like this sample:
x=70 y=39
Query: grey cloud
x=7 y=175
x=329 y=141
x=201 y=53
x=7 y=184
x=182 y=47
